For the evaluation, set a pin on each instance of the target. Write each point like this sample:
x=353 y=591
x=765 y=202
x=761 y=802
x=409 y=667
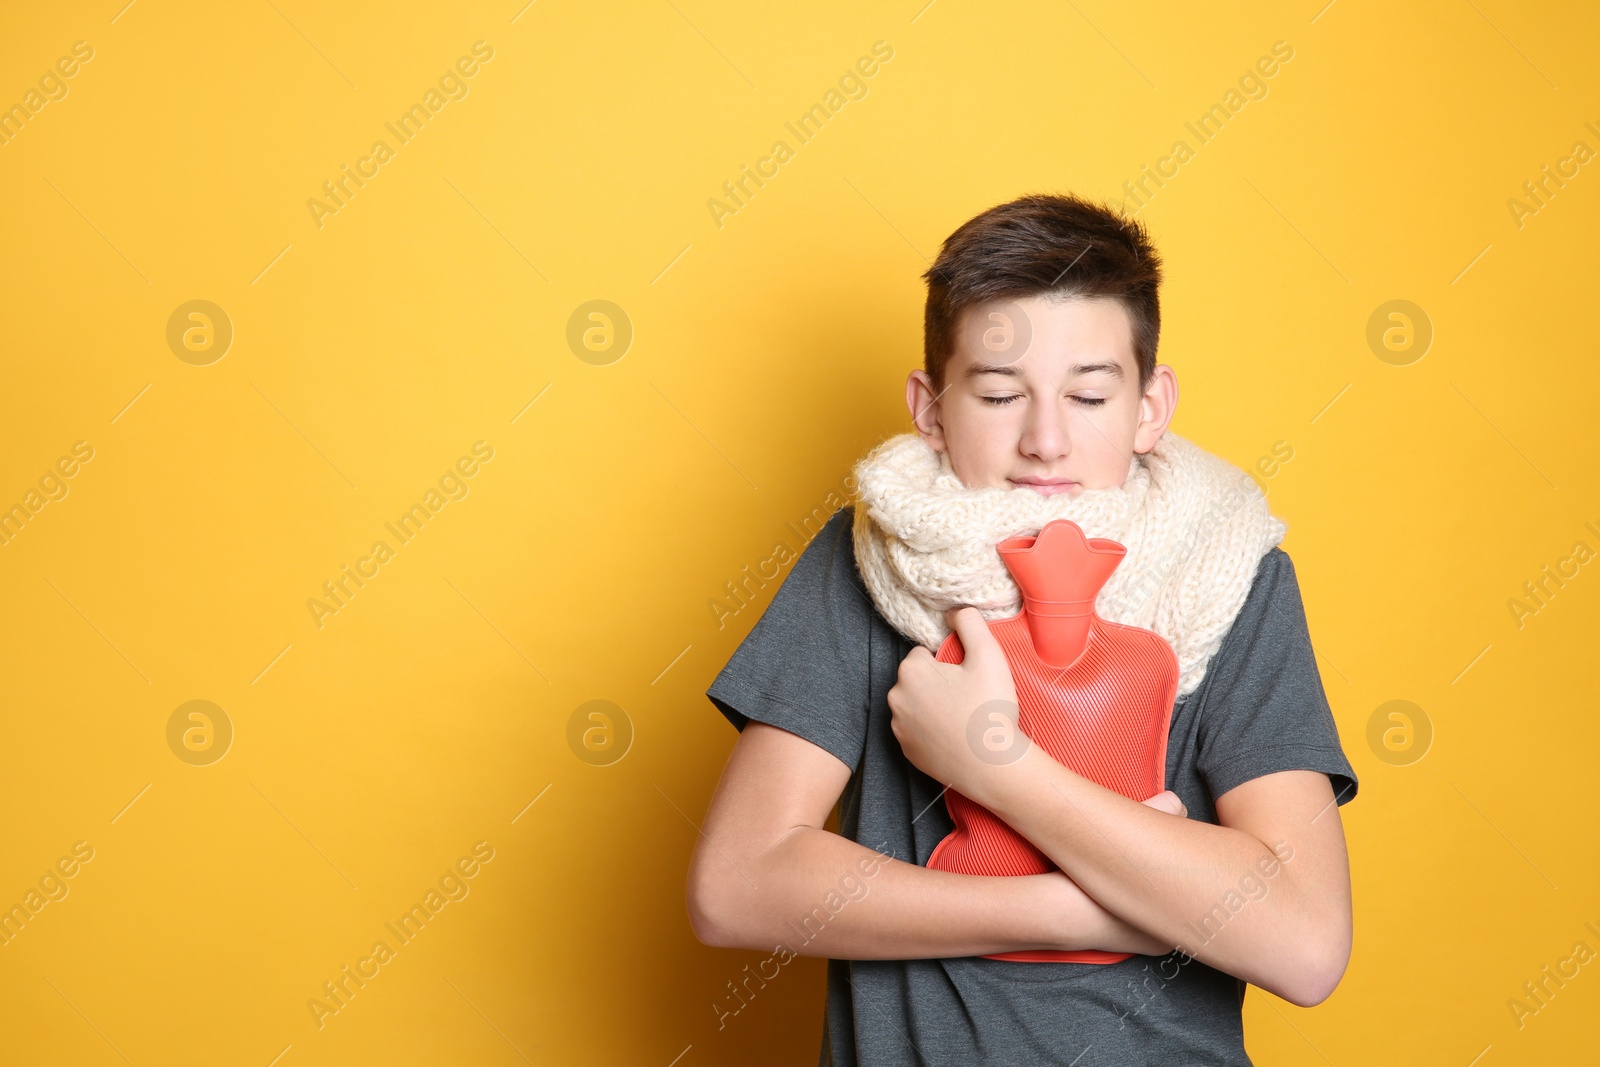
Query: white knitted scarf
x=1194 y=525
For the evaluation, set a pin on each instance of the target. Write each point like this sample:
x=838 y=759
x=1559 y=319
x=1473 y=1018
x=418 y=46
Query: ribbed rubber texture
x=1106 y=718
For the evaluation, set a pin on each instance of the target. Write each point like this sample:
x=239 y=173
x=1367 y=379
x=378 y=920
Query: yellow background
x=768 y=354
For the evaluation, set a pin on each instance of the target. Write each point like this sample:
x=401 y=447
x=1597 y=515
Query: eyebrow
x=1010 y=370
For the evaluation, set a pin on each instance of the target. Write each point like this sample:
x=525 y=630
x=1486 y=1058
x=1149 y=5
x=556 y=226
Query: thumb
x=976 y=640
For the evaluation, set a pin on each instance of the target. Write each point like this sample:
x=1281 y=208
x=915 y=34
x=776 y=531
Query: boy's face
x=1045 y=395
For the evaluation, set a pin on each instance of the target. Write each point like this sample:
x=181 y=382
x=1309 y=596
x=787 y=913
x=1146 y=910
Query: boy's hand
x=1088 y=925
x=958 y=721
x=1167 y=801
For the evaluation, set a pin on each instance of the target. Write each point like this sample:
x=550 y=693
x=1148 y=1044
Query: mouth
x=1044 y=486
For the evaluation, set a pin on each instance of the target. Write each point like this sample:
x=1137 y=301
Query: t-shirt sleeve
x=804 y=666
x=1264 y=706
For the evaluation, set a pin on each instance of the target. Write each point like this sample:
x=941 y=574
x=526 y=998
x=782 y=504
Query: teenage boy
x=1236 y=874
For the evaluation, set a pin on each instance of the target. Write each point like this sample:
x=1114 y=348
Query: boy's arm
x=1264 y=896
x=764 y=874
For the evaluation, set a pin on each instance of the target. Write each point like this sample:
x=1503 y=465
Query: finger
x=916 y=659
x=1166 y=801
x=969 y=625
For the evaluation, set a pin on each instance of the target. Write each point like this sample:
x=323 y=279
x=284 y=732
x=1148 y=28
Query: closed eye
x=1087 y=401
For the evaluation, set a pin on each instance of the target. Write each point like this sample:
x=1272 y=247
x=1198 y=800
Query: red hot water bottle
x=1096 y=695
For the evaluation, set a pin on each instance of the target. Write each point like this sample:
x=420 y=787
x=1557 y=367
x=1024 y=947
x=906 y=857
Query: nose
x=1044 y=432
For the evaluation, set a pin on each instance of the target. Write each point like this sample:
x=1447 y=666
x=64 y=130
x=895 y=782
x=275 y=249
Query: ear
x=1156 y=408
x=922 y=399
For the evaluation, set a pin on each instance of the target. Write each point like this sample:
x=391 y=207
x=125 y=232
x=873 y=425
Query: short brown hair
x=1062 y=245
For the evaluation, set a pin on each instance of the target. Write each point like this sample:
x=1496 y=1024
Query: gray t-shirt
x=820 y=662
